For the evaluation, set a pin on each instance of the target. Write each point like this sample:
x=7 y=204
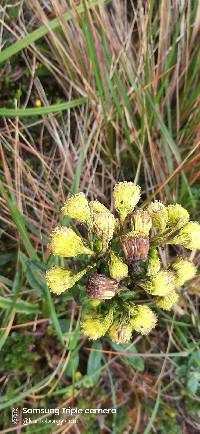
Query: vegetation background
x=94 y=92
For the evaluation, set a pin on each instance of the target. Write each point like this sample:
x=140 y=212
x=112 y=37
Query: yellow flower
x=66 y=243
x=38 y=103
x=77 y=207
x=159 y=215
x=126 y=196
x=177 y=215
x=94 y=325
x=117 y=268
x=153 y=265
x=188 y=236
x=167 y=302
x=184 y=270
x=160 y=284
x=59 y=280
x=141 y=222
x=144 y=320
x=120 y=332
x=103 y=222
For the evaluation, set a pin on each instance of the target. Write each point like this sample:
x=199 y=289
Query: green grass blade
x=19 y=306
x=148 y=428
x=54 y=108
x=40 y=32
x=19 y=222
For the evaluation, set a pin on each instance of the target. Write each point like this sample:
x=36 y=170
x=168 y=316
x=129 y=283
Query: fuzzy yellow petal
x=66 y=243
x=102 y=222
x=177 y=215
x=160 y=284
x=59 y=279
x=117 y=268
x=77 y=207
x=188 y=236
x=141 y=222
x=144 y=320
x=126 y=196
x=167 y=302
x=159 y=215
x=120 y=332
x=184 y=270
x=95 y=325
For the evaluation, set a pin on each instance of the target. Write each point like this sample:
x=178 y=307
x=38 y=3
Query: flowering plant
x=121 y=260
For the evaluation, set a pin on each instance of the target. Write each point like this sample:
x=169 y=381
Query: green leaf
x=131 y=359
x=72 y=364
x=94 y=361
x=193 y=382
x=35 y=275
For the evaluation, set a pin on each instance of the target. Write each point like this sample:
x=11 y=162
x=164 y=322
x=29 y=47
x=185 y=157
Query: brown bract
x=135 y=247
x=101 y=287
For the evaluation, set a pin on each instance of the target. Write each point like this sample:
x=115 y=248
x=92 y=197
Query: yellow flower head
x=66 y=243
x=77 y=207
x=177 y=216
x=117 y=268
x=153 y=265
x=126 y=196
x=95 y=325
x=59 y=280
x=159 y=215
x=160 y=284
x=103 y=222
x=167 y=302
x=141 y=222
x=144 y=319
x=188 y=236
x=120 y=332
x=184 y=270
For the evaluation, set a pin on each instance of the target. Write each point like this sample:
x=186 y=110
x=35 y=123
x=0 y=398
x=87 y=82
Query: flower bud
x=94 y=303
x=141 y=222
x=103 y=222
x=184 y=270
x=117 y=268
x=126 y=196
x=167 y=302
x=94 y=325
x=159 y=215
x=120 y=332
x=144 y=319
x=153 y=265
x=66 y=243
x=77 y=207
x=59 y=280
x=188 y=236
x=160 y=284
x=177 y=216
x=100 y=287
x=135 y=247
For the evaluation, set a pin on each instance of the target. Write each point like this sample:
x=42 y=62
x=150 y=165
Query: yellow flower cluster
x=137 y=318
x=120 y=256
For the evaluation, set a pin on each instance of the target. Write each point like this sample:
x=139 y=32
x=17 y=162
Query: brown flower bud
x=100 y=287
x=135 y=247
